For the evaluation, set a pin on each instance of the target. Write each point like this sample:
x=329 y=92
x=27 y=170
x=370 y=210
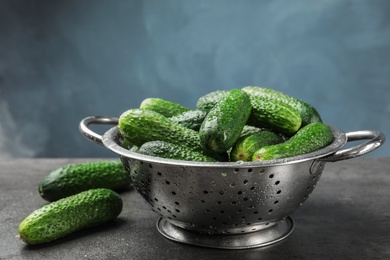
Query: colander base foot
x=265 y=237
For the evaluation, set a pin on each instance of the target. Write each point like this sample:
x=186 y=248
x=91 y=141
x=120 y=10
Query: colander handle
x=97 y=120
x=376 y=139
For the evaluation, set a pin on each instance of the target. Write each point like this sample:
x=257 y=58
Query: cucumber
x=141 y=126
x=172 y=151
x=307 y=112
x=162 y=106
x=245 y=146
x=225 y=121
x=208 y=101
x=274 y=115
x=309 y=138
x=191 y=119
x=74 y=178
x=248 y=130
x=70 y=214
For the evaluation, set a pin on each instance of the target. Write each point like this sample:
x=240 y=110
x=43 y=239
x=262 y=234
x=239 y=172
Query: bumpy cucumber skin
x=309 y=138
x=246 y=146
x=70 y=214
x=162 y=106
x=172 y=151
x=191 y=119
x=208 y=101
x=307 y=112
x=248 y=130
x=140 y=126
x=225 y=121
x=275 y=115
x=74 y=178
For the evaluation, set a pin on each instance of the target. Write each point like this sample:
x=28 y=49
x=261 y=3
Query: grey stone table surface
x=346 y=217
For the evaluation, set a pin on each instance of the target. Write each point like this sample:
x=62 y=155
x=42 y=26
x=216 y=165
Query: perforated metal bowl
x=230 y=205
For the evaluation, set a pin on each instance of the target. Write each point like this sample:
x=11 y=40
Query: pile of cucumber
x=248 y=124
x=80 y=196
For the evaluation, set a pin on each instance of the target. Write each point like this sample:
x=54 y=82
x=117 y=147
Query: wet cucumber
x=225 y=121
x=191 y=119
x=275 y=115
x=307 y=112
x=206 y=102
x=70 y=214
x=245 y=146
x=74 y=178
x=162 y=106
x=309 y=138
x=248 y=130
x=139 y=126
x=172 y=151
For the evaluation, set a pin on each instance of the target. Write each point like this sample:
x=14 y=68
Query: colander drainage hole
x=219 y=202
x=150 y=166
x=276 y=202
x=270 y=210
x=205 y=192
x=239 y=192
x=234 y=202
x=221 y=192
x=278 y=192
x=167 y=182
x=271 y=176
x=277 y=182
x=245 y=181
x=159 y=173
x=250 y=170
x=202 y=201
x=177 y=203
x=173 y=193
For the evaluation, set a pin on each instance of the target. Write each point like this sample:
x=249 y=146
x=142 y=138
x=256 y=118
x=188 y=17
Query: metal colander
x=232 y=204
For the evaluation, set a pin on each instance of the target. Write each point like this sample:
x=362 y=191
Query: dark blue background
x=61 y=61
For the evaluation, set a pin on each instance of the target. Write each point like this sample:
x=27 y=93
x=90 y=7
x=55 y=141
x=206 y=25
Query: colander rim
x=110 y=136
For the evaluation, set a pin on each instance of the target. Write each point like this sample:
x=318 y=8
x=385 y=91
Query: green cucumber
x=162 y=106
x=208 y=101
x=191 y=119
x=172 y=151
x=274 y=115
x=307 y=112
x=141 y=126
x=245 y=146
x=70 y=214
x=225 y=121
x=74 y=178
x=309 y=138
x=248 y=130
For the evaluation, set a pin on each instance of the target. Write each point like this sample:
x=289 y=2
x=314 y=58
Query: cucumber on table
x=162 y=106
x=225 y=121
x=74 y=178
x=245 y=146
x=70 y=214
x=309 y=138
x=307 y=112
